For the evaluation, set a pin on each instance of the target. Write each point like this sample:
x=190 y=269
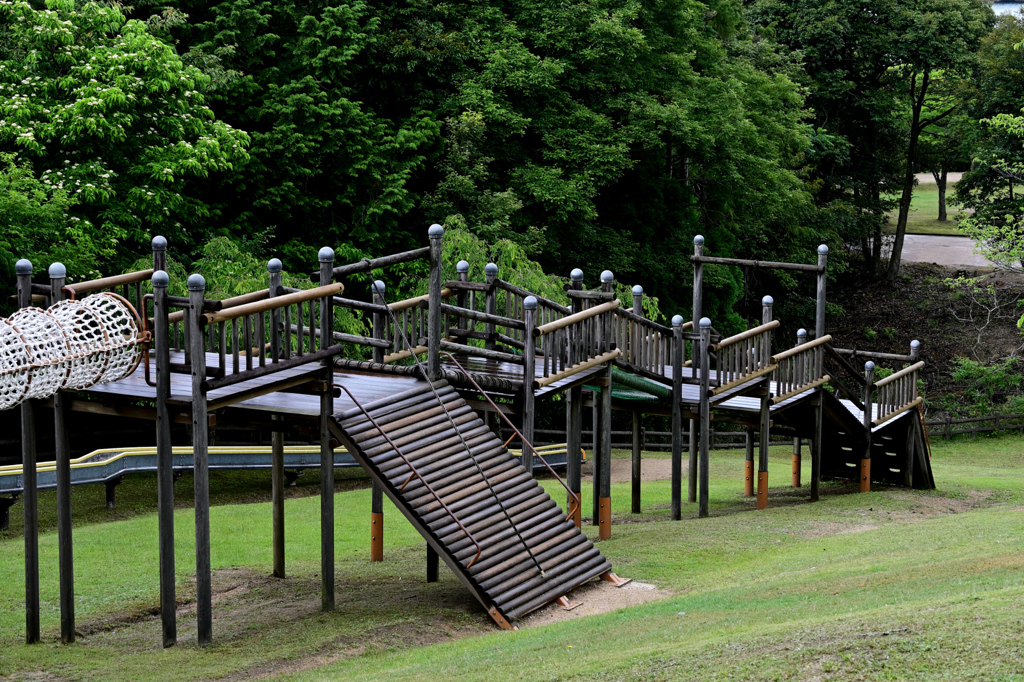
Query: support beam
x=277 y=486
x=748 y=464
x=762 y=470
x=677 y=419
x=201 y=462
x=865 y=461
x=111 y=490
x=574 y=417
x=816 y=445
x=23 y=269
x=63 y=465
x=698 y=306
x=326 y=257
x=433 y=564
x=635 y=469
x=605 y=417
x=797 y=453
x=703 y=502
x=529 y=365
x=376 y=493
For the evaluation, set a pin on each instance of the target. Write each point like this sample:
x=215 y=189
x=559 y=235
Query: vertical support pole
x=23 y=270
x=819 y=308
x=603 y=461
x=164 y=454
x=462 y=296
x=201 y=461
x=435 y=233
x=698 y=313
x=574 y=413
x=326 y=258
x=762 y=465
x=801 y=338
x=865 y=461
x=529 y=365
x=65 y=551
x=491 y=303
x=432 y=564
x=677 y=418
x=816 y=445
x=277 y=480
x=376 y=492
x=748 y=464
x=705 y=418
x=638 y=309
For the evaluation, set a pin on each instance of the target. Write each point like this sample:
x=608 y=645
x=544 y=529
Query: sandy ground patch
x=595 y=597
x=651 y=469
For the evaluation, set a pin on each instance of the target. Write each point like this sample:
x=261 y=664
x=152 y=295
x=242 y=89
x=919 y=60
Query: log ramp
x=480 y=511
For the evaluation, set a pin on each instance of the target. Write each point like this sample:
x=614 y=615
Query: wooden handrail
x=577 y=317
x=639 y=319
x=263 y=306
x=743 y=336
x=899 y=375
x=801 y=348
x=112 y=281
x=232 y=302
x=757 y=263
x=415 y=301
x=898 y=411
x=576 y=369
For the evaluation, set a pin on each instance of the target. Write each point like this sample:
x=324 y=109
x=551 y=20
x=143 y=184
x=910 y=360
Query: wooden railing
x=646 y=345
x=743 y=357
x=897 y=393
x=574 y=343
x=799 y=369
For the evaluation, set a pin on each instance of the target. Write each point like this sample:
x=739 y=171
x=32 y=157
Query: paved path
x=929 y=248
x=951 y=178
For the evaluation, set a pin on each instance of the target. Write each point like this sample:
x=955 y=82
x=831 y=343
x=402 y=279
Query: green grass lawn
x=892 y=584
x=924 y=212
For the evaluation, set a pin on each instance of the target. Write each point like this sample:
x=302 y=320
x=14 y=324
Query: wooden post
x=698 y=313
x=677 y=417
x=435 y=233
x=277 y=479
x=574 y=415
x=376 y=492
x=326 y=258
x=748 y=464
x=762 y=471
x=462 y=298
x=801 y=338
x=164 y=453
x=30 y=495
x=865 y=462
x=705 y=418
x=529 y=365
x=201 y=461
x=66 y=561
x=491 y=303
x=819 y=308
x=816 y=445
x=603 y=460
x=432 y=564
x=638 y=309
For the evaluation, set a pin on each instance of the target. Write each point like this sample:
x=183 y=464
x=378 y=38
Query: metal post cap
x=677 y=320
x=869 y=366
x=196 y=282
x=378 y=286
x=823 y=249
x=698 y=240
x=491 y=269
x=274 y=265
x=801 y=333
x=705 y=323
x=530 y=302
x=435 y=231
x=326 y=255
x=160 y=279
x=767 y=301
x=462 y=266
x=915 y=344
x=607 y=276
x=23 y=267
x=576 y=275
x=638 y=290
x=57 y=270
x=159 y=243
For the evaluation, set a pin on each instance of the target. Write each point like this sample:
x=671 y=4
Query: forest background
x=595 y=134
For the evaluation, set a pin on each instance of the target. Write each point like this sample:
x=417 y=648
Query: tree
x=109 y=114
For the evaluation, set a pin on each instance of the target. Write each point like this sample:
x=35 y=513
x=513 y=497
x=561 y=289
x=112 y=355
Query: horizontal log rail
x=743 y=336
x=746 y=378
x=509 y=322
x=899 y=375
x=228 y=314
x=368 y=264
x=774 y=265
x=343 y=337
x=447 y=345
x=641 y=320
x=398 y=306
x=214 y=306
x=108 y=282
x=468 y=286
x=590 y=295
x=802 y=389
x=576 y=369
x=575 y=318
x=895 y=413
x=266 y=370
x=519 y=291
x=801 y=348
x=871 y=355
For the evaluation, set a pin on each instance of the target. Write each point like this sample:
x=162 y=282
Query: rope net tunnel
x=72 y=344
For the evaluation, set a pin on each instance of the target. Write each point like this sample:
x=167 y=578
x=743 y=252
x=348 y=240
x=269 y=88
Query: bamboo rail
x=573 y=319
x=228 y=314
x=577 y=368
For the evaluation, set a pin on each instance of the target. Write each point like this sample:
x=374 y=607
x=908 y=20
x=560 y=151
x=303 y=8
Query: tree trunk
x=876 y=246
x=917 y=103
x=940 y=182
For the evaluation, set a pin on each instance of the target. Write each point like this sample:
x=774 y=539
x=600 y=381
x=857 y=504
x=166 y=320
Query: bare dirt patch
x=651 y=469
x=595 y=597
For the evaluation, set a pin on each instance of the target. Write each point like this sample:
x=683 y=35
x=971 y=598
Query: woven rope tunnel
x=72 y=344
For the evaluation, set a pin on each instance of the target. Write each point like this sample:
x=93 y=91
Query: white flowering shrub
x=107 y=113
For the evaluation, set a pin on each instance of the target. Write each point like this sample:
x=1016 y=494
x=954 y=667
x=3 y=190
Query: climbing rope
x=72 y=344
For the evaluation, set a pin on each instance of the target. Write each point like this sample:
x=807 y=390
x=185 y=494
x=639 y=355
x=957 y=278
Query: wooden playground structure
x=425 y=430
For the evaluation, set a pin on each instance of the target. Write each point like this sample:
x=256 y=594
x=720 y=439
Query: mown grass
x=887 y=585
x=924 y=212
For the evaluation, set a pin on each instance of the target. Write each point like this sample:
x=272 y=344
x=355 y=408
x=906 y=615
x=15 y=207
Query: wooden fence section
x=996 y=422
x=555 y=436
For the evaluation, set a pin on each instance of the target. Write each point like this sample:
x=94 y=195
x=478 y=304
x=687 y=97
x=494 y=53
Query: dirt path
x=941 y=250
x=651 y=469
